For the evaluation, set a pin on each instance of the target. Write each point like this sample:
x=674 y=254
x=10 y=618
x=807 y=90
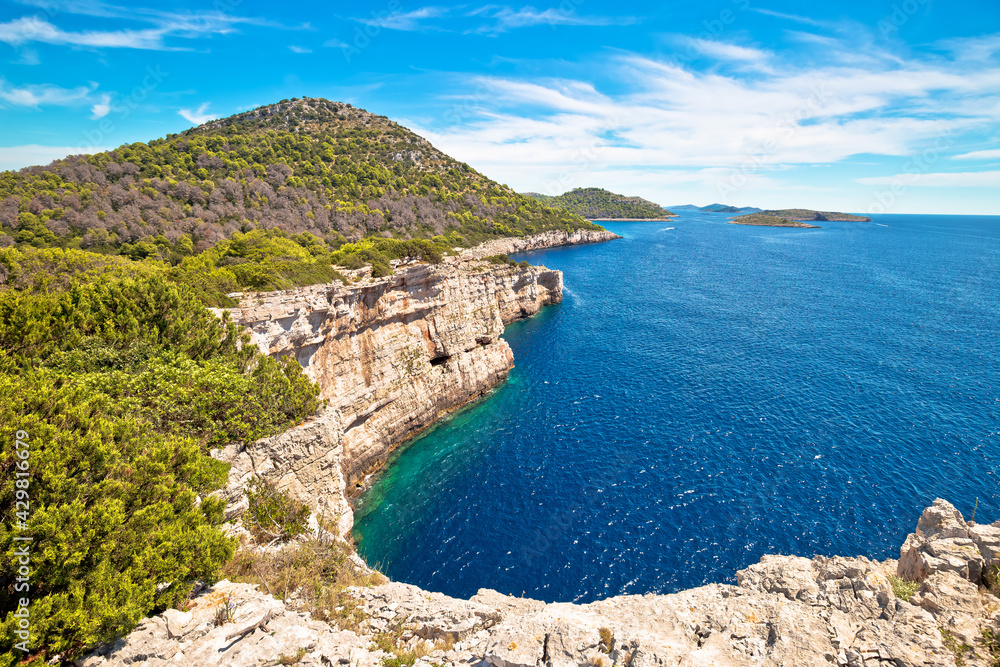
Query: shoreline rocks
x=784 y=610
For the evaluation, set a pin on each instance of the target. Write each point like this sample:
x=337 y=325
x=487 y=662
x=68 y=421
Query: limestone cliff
x=391 y=355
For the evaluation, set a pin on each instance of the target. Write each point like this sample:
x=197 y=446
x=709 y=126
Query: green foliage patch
x=122 y=385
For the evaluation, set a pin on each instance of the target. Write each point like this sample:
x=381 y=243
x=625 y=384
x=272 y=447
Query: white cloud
x=180 y=25
x=299 y=49
x=679 y=126
x=507 y=18
x=968 y=179
x=44 y=95
x=34 y=29
x=199 y=116
x=992 y=154
x=101 y=109
x=16 y=157
x=407 y=21
x=335 y=44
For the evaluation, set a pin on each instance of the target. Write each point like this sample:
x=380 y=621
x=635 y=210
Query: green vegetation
x=766 y=220
x=795 y=217
x=319 y=569
x=990 y=641
x=505 y=260
x=599 y=204
x=902 y=588
x=957 y=647
x=122 y=381
x=272 y=515
x=300 y=166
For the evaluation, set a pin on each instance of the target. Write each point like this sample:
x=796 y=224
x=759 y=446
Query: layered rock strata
x=785 y=610
x=512 y=245
x=391 y=355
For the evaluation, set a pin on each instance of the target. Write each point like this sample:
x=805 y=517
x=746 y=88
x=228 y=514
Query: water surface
x=705 y=395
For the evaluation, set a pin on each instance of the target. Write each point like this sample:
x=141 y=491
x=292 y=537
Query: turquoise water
x=705 y=395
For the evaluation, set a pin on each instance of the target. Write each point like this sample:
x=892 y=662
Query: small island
x=601 y=204
x=795 y=217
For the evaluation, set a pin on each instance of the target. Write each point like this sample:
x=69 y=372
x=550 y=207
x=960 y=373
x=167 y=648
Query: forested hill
x=302 y=165
x=599 y=204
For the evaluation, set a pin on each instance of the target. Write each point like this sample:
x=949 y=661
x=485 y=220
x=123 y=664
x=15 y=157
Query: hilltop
x=795 y=217
x=600 y=204
x=307 y=165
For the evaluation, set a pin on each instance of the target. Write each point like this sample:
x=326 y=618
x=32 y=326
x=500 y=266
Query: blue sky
x=869 y=106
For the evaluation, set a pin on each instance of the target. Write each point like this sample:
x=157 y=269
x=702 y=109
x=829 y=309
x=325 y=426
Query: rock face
x=391 y=355
x=784 y=610
x=538 y=242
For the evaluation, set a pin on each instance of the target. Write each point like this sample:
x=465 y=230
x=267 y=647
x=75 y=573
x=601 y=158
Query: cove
x=705 y=395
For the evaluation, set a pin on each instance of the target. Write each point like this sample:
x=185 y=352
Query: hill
x=795 y=217
x=301 y=166
x=600 y=204
x=716 y=208
x=766 y=220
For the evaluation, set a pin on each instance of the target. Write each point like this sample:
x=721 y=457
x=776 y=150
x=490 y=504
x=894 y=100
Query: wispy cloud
x=505 y=18
x=790 y=17
x=726 y=51
x=992 y=154
x=44 y=95
x=299 y=49
x=968 y=179
x=33 y=29
x=163 y=25
x=407 y=21
x=335 y=44
x=198 y=116
x=102 y=108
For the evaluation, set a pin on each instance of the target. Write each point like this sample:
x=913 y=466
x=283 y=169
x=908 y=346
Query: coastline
x=666 y=219
x=783 y=610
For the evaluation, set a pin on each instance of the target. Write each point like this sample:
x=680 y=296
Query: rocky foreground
x=391 y=355
x=785 y=610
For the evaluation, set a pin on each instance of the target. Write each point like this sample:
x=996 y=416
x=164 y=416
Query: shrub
x=272 y=514
x=121 y=386
x=902 y=588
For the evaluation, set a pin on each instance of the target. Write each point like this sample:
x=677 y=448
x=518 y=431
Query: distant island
x=600 y=204
x=795 y=217
x=716 y=208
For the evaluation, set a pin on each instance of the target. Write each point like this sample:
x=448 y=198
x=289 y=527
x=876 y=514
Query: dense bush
x=308 y=165
x=600 y=204
x=122 y=385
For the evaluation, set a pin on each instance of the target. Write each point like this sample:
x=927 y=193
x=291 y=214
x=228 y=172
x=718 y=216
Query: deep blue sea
x=705 y=394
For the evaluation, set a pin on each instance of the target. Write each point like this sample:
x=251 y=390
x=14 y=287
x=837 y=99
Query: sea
x=705 y=394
